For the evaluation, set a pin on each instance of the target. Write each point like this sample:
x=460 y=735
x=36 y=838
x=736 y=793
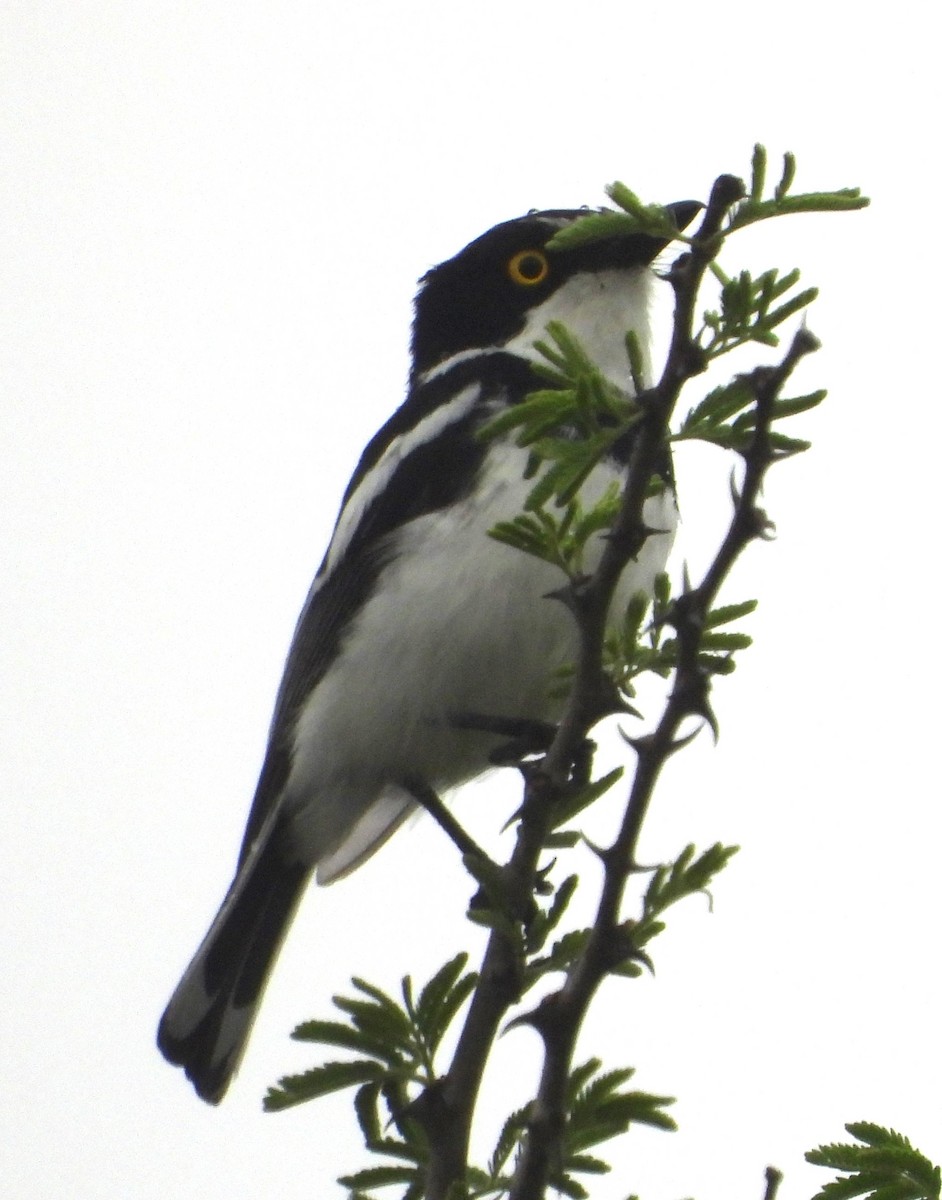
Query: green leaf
x=509 y=1139
x=442 y=1018
x=435 y=992
x=759 y=161
x=567 y=1186
x=586 y=1093
x=335 y=1033
x=564 y=952
x=847 y=1187
x=571 y=806
x=799 y=404
x=381 y=999
x=319 y=1081
x=593 y=227
x=796 y=304
x=788 y=175
x=550 y=405
x=579 y=1078
x=562 y=841
x=715 y=408
x=686 y=876
x=366 y=1107
x=725 y=641
x=842 y=200
x=729 y=612
x=546 y=921
x=877 y=1135
x=625 y=198
x=884 y=1167
x=587 y=1164
x=377 y=1177
x=787 y=445
x=378 y=1022
x=635 y=361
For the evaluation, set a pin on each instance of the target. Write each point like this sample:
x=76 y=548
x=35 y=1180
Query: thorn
x=639 y=869
x=652 y=530
x=606 y=699
x=427 y=1108
x=571 y=594
x=640 y=744
x=698 y=704
x=603 y=855
x=805 y=341
x=541 y=1018
x=681 y=742
x=514 y=816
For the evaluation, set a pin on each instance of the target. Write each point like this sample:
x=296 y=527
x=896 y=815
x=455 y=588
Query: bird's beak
x=683 y=212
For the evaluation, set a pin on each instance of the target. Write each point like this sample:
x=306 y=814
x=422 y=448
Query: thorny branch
x=446 y=1111
x=609 y=942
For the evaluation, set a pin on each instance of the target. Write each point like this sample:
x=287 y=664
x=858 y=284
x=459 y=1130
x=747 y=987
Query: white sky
x=213 y=218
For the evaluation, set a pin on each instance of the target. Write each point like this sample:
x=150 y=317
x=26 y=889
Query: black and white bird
x=415 y=614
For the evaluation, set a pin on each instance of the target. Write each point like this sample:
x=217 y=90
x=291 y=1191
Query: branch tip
x=773 y=1178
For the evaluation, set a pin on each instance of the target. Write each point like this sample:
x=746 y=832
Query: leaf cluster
x=688 y=875
x=568 y=428
x=656 y=221
x=637 y=645
x=726 y=417
x=599 y=1109
x=747 y=312
x=394 y=1044
x=756 y=206
x=882 y=1165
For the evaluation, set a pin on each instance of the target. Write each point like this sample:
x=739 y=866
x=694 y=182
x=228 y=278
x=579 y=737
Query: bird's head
x=503 y=288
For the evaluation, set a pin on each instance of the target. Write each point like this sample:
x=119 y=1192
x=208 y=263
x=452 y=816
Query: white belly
x=458 y=623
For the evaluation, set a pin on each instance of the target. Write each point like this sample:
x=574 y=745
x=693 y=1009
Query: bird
x=416 y=616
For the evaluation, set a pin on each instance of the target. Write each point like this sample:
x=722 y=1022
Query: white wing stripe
x=378 y=476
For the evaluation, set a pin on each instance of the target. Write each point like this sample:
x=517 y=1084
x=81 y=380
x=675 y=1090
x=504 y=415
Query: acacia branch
x=608 y=940
x=446 y=1111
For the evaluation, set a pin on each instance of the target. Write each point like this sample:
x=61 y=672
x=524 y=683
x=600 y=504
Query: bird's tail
x=207 y=1023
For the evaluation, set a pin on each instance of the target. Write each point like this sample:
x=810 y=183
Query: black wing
x=433 y=475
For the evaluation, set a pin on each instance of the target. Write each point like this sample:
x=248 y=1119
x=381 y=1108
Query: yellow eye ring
x=528 y=267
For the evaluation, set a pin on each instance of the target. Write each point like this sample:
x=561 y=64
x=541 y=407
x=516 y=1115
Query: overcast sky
x=212 y=218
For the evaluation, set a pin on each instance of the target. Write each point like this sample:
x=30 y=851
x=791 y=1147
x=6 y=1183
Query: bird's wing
x=425 y=458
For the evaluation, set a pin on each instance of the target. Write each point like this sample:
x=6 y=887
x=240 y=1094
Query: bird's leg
x=426 y=796
x=525 y=737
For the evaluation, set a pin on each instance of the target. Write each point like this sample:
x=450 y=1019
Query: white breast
x=458 y=623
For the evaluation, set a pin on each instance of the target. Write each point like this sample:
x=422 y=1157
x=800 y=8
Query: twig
x=773 y=1177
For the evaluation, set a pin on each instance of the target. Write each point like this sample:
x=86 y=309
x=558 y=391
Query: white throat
x=598 y=308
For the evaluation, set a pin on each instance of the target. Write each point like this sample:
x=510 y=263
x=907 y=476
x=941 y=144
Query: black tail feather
x=207 y=1023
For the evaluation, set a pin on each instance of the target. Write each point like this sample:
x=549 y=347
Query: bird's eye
x=528 y=267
